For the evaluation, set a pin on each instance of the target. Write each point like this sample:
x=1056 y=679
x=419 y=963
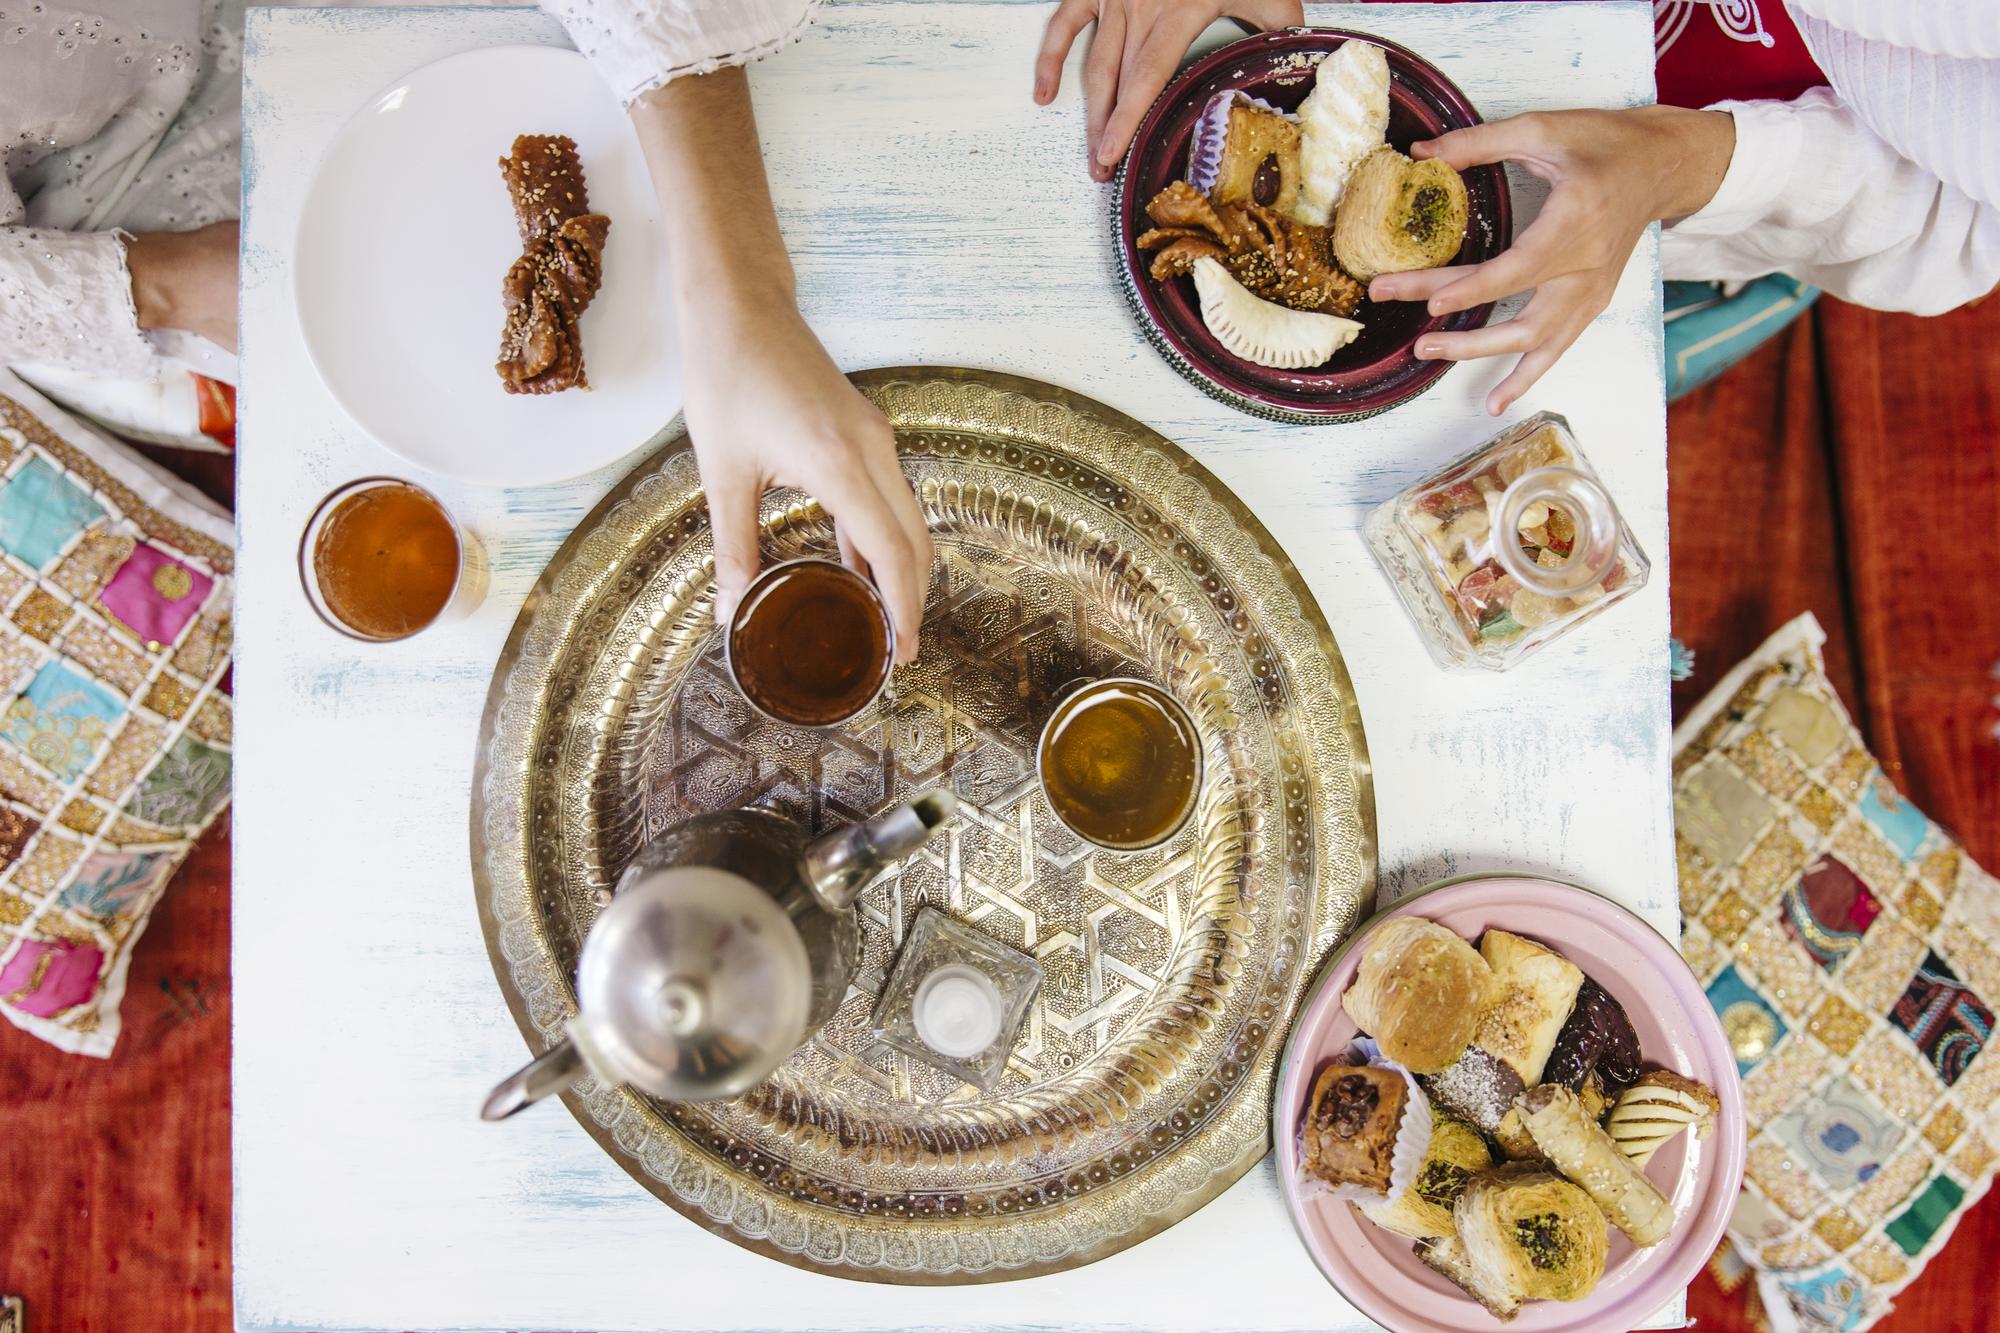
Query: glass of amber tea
x=810 y=643
x=1120 y=763
x=383 y=558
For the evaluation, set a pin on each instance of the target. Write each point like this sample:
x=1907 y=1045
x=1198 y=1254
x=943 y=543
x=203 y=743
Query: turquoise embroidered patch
x=40 y=510
x=62 y=720
x=1901 y=824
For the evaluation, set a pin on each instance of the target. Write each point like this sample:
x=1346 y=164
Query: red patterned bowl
x=1379 y=369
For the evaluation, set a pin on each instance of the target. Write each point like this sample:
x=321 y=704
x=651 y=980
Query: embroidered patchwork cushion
x=1852 y=951
x=115 y=717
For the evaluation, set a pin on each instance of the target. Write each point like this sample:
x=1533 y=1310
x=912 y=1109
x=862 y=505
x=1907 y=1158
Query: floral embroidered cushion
x=1853 y=953
x=115 y=716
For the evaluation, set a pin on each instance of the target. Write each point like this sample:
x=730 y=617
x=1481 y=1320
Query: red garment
x=1744 y=50
x=1714 y=50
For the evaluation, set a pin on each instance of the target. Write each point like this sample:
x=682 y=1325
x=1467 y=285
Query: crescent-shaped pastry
x=1263 y=333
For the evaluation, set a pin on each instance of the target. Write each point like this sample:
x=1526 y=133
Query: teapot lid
x=694 y=984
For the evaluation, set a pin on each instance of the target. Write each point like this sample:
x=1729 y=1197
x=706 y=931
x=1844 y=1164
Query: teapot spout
x=839 y=865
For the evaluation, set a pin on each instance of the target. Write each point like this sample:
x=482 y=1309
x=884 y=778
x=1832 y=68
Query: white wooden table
x=936 y=215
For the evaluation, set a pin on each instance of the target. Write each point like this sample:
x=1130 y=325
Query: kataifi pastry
x=1536 y=989
x=1445 y=1256
x=1578 y=1147
x=1597 y=1053
x=1420 y=991
x=1454 y=1155
x=547 y=289
x=1342 y=120
x=1399 y=215
x=1263 y=333
x=1351 y=1124
x=1245 y=151
x=1660 y=1105
x=1530 y=1235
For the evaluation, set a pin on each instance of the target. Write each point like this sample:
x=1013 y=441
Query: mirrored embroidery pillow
x=115 y=715
x=1853 y=953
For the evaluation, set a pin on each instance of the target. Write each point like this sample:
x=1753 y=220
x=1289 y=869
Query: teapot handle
x=552 y=1071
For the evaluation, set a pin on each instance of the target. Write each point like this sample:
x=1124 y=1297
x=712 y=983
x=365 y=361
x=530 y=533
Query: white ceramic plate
x=407 y=233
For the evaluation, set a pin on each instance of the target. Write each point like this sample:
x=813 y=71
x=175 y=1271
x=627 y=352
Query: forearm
x=699 y=135
x=1812 y=192
x=1691 y=158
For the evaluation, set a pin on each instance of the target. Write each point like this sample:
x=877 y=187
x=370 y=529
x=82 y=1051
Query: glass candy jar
x=1506 y=548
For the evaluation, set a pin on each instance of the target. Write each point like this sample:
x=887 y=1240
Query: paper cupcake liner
x=1212 y=130
x=1406 y=1156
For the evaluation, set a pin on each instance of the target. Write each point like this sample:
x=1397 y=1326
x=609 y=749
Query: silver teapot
x=730 y=939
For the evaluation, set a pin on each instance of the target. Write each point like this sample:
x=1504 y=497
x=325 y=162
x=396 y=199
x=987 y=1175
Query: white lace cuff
x=640 y=45
x=66 y=300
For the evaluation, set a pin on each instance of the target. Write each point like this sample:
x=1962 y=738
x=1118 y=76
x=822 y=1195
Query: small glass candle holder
x=1506 y=548
x=956 y=999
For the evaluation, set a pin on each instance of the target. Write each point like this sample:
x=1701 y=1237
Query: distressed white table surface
x=935 y=215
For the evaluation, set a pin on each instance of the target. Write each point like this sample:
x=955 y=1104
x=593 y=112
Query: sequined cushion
x=1853 y=953
x=115 y=716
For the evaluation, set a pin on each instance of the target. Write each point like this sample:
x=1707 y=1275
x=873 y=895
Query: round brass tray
x=1072 y=541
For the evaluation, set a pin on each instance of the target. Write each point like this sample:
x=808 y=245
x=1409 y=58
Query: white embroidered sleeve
x=66 y=300
x=640 y=45
x=1812 y=192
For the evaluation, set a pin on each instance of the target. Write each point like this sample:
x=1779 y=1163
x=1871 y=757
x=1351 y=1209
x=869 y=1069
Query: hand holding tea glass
x=766 y=406
x=1613 y=174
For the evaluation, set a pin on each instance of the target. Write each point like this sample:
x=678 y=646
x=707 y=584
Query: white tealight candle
x=957 y=1011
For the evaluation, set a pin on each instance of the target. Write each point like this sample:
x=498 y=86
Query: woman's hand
x=1138 y=46
x=767 y=407
x=1612 y=173
x=186 y=280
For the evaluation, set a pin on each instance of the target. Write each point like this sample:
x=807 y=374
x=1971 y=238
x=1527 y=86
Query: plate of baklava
x=481 y=275
x=1266 y=187
x=1507 y=1103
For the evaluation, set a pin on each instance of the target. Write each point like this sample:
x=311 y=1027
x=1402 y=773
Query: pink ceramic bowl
x=1376 y=1269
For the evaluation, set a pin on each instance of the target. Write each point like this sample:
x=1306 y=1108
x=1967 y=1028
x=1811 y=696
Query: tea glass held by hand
x=1120 y=763
x=382 y=559
x=810 y=643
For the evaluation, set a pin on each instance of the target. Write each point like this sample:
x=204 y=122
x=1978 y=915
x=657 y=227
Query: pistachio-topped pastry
x=1399 y=215
x=1456 y=1154
x=1528 y=1235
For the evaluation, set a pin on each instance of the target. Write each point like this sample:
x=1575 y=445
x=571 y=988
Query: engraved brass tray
x=1072 y=541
